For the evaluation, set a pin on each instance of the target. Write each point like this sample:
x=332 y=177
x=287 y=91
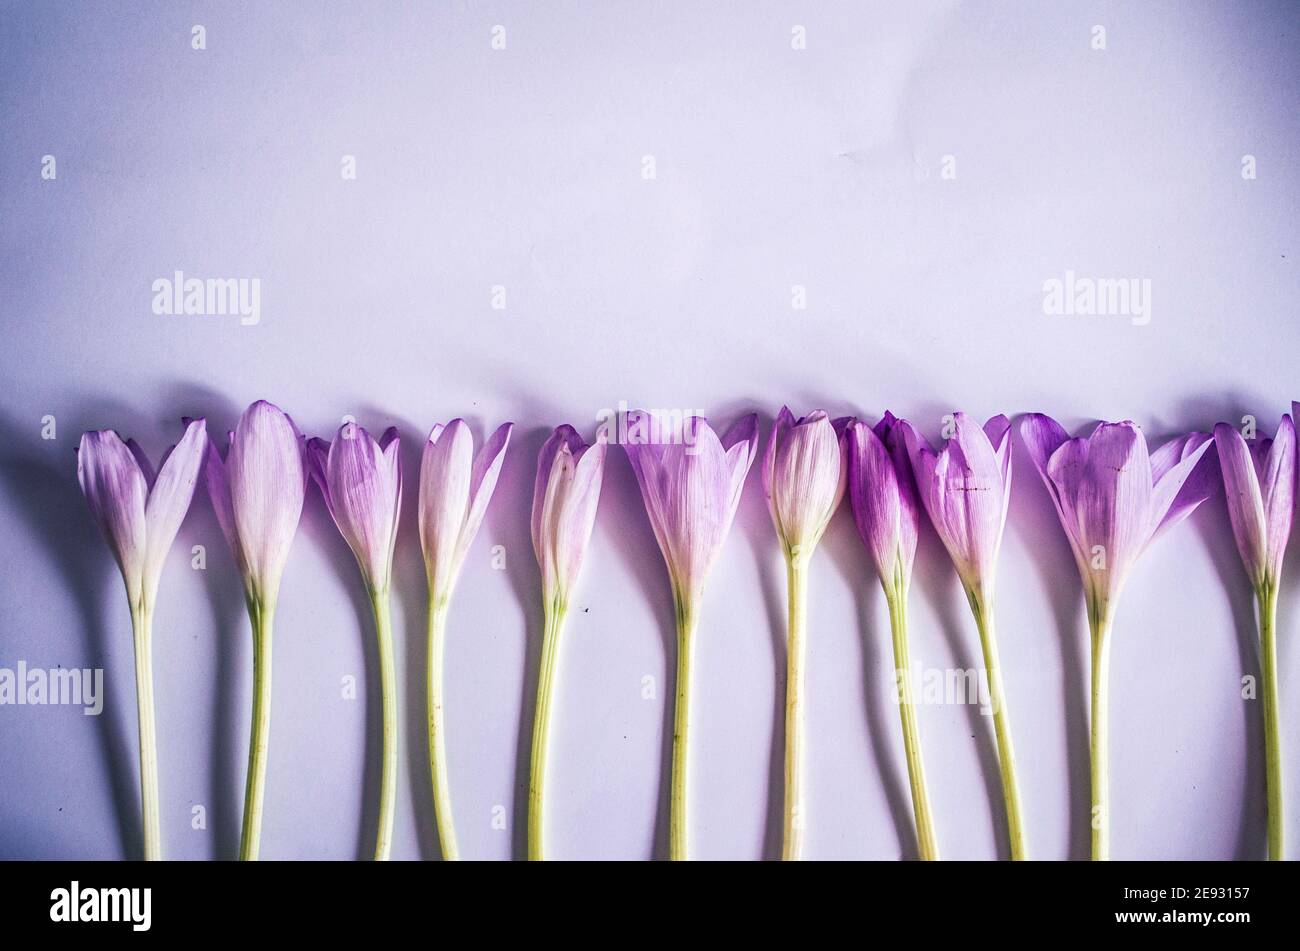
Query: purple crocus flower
x=361 y=480
x=887 y=512
x=565 y=495
x=690 y=484
x=140 y=514
x=455 y=488
x=965 y=489
x=803 y=478
x=1259 y=477
x=257 y=492
x=1113 y=498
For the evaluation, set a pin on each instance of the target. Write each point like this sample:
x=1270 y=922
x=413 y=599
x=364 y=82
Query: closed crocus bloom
x=361 y=480
x=691 y=485
x=885 y=508
x=140 y=515
x=803 y=479
x=1113 y=498
x=257 y=492
x=1259 y=477
x=565 y=496
x=455 y=488
x=965 y=488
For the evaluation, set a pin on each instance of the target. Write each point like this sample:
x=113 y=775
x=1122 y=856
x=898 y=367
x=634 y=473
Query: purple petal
x=170 y=498
x=116 y=491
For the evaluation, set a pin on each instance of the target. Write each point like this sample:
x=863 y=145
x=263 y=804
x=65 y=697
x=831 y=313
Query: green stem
x=255 y=784
x=677 y=815
x=1100 y=819
x=796 y=577
x=897 y=599
x=437 y=730
x=142 y=629
x=1001 y=723
x=1267 y=596
x=388 y=702
x=554 y=620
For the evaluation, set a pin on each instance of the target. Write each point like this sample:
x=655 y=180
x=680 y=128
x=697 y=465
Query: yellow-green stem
x=437 y=731
x=1267 y=597
x=142 y=631
x=552 y=624
x=1100 y=813
x=925 y=838
x=678 y=849
x=255 y=783
x=796 y=576
x=388 y=703
x=1001 y=722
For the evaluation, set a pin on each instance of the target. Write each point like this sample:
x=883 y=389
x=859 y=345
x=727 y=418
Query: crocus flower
x=965 y=489
x=803 y=479
x=361 y=480
x=455 y=488
x=1113 y=498
x=140 y=515
x=1259 y=479
x=888 y=515
x=690 y=486
x=257 y=492
x=565 y=496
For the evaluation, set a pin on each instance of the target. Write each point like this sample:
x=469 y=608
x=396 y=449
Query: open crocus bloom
x=1113 y=498
x=361 y=480
x=691 y=489
x=1259 y=477
x=138 y=512
x=565 y=495
x=691 y=486
x=140 y=515
x=455 y=489
x=257 y=492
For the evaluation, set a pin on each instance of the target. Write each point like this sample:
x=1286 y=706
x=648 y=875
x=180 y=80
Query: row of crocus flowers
x=1112 y=496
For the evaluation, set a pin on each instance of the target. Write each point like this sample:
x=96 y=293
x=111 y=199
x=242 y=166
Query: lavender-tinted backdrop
x=646 y=188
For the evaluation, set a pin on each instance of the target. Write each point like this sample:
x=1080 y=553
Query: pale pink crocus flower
x=361 y=481
x=1259 y=478
x=803 y=478
x=257 y=492
x=965 y=489
x=456 y=486
x=566 y=493
x=691 y=484
x=1113 y=498
x=139 y=514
